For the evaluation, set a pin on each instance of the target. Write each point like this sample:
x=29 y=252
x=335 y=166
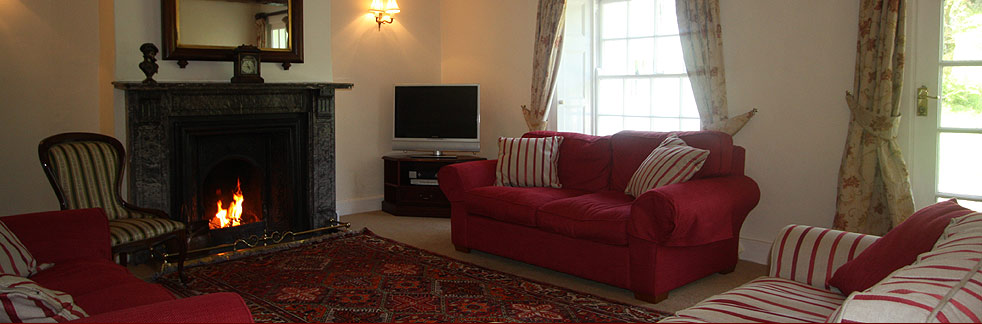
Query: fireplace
x=242 y=174
x=233 y=160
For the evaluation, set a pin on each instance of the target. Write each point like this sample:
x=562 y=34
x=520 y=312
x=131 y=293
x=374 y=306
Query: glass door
x=947 y=94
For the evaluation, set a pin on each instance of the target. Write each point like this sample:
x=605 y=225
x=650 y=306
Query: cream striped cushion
x=122 y=231
x=23 y=300
x=944 y=285
x=15 y=259
x=528 y=162
x=671 y=162
x=764 y=299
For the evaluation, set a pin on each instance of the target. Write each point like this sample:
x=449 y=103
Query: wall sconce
x=383 y=14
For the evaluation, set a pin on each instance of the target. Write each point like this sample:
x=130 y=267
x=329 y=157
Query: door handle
x=922 y=98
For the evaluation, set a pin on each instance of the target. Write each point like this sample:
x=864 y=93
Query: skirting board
x=359 y=205
x=754 y=250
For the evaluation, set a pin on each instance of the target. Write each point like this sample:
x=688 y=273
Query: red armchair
x=667 y=237
x=77 y=242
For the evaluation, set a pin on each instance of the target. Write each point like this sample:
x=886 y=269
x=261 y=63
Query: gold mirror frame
x=182 y=54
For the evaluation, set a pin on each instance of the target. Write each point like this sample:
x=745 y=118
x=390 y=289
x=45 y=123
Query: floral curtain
x=545 y=62
x=702 y=48
x=874 y=188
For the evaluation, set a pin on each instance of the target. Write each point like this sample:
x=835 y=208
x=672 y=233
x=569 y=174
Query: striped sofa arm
x=810 y=255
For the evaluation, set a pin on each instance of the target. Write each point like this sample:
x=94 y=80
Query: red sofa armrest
x=695 y=212
x=211 y=308
x=459 y=177
x=63 y=235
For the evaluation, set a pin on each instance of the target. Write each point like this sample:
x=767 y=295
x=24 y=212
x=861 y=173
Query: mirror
x=208 y=30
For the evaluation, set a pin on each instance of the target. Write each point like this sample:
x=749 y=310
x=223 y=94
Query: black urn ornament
x=149 y=64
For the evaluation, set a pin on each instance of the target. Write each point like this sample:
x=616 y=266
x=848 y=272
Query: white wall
x=50 y=83
x=490 y=42
x=406 y=51
x=793 y=60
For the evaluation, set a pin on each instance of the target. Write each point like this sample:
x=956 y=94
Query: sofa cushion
x=765 y=299
x=122 y=296
x=580 y=152
x=671 y=162
x=630 y=148
x=15 y=259
x=600 y=217
x=897 y=248
x=513 y=204
x=944 y=285
x=77 y=277
x=528 y=162
x=23 y=300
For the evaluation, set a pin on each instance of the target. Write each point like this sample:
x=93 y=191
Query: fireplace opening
x=242 y=176
x=233 y=194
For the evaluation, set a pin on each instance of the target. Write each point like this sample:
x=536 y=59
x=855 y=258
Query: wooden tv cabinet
x=411 y=188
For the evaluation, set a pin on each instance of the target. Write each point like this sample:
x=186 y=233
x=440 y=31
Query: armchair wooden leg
x=123 y=256
x=182 y=246
x=728 y=271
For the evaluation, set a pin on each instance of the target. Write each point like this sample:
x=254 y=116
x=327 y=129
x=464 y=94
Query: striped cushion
x=86 y=171
x=811 y=255
x=764 y=299
x=122 y=231
x=23 y=300
x=15 y=259
x=944 y=285
x=671 y=162
x=528 y=162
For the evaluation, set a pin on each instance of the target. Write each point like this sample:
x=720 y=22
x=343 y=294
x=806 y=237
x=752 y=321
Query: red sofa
x=77 y=242
x=665 y=238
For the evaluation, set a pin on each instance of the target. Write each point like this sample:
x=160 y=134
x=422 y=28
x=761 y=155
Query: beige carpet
x=433 y=234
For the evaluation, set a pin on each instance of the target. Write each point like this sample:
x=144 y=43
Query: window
x=628 y=66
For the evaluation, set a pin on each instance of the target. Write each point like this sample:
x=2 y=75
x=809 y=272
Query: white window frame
x=593 y=113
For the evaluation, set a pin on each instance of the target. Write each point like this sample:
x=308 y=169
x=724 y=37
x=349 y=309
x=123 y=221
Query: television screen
x=437 y=111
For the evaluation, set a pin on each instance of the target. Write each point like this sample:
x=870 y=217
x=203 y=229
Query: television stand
x=442 y=157
x=436 y=155
x=411 y=185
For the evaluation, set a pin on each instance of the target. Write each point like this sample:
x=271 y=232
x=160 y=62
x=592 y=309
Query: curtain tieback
x=884 y=127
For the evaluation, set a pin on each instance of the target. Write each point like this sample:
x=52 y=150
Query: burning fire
x=231 y=216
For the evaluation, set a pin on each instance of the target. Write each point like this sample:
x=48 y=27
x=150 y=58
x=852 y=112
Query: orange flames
x=231 y=216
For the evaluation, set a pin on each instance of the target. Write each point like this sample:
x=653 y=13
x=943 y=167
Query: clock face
x=248 y=65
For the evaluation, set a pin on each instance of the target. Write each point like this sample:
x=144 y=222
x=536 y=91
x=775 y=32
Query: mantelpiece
x=165 y=119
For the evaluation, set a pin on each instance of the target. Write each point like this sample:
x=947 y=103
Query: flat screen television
x=437 y=118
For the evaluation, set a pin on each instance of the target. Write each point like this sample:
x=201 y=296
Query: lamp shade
x=377 y=7
x=391 y=7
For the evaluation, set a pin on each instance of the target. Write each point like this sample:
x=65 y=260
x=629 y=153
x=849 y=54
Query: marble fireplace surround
x=152 y=109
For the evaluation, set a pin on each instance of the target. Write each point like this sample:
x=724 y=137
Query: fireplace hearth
x=233 y=160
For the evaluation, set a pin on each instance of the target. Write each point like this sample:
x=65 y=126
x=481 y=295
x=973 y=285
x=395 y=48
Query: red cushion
x=898 y=248
x=581 y=152
x=630 y=148
x=513 y=204
x=83 y=276
x=600 y=217
x=122 y=296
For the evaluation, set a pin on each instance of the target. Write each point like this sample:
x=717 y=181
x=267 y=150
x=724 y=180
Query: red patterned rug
x=361 y=277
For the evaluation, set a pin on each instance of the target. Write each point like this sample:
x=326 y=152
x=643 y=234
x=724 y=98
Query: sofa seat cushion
x=81 y=276
x=600 y=217
x=513 y=204
x=122 y=296
x=765 y=299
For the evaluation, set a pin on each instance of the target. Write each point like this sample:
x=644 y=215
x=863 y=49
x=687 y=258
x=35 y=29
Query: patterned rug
x=361 y=277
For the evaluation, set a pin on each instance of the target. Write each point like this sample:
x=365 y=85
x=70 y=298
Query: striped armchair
x=86 y=171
